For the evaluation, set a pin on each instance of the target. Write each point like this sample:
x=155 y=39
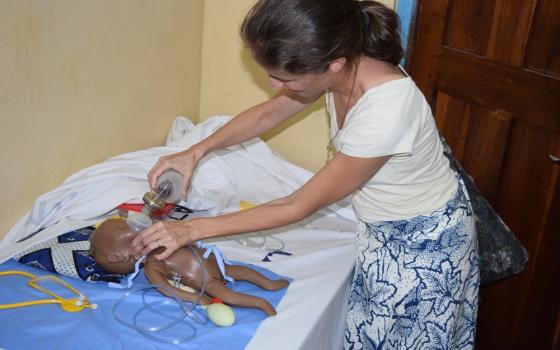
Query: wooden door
x=491 y=71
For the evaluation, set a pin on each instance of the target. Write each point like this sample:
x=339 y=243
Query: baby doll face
x=111 y=246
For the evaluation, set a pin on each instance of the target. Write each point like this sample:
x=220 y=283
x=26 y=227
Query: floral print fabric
x=416 y=281
x=501 y=254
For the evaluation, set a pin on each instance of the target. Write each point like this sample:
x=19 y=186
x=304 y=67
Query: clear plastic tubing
x=250 y=243
x=150 y=332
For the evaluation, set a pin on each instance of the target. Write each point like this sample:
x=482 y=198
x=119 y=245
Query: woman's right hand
x=184 y=162
x=169 y=234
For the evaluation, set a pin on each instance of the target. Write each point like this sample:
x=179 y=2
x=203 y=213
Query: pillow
x=501 y=254
x=67 y=255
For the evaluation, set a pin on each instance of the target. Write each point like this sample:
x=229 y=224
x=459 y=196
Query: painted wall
x=85 y=80
x=232 y=82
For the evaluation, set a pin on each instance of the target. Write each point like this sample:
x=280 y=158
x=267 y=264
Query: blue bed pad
x=49 y=327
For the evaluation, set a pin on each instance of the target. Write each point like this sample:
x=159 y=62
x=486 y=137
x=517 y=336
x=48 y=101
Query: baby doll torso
x=111 y=246
x=185 y=266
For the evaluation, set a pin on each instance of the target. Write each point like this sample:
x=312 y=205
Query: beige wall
x=231 y=82
x=84 y=80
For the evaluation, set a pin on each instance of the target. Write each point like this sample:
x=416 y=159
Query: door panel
x=511 y=23
x=461 y=123
x=543 y=55
x=490 y=70
x=467 y=23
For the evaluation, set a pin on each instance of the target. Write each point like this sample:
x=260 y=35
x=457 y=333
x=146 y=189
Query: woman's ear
x=336 y=65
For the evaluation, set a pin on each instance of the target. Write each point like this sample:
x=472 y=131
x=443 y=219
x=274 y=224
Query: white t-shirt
x=394 y=119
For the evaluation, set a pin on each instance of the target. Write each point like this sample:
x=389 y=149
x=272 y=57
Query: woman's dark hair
x=304 y=36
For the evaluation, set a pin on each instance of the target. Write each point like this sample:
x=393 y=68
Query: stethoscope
x=75 y=304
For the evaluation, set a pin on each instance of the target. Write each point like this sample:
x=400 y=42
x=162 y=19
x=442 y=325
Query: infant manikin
x=111 y=247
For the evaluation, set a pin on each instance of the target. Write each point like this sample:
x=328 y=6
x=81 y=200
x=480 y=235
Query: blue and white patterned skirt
x=416 y=281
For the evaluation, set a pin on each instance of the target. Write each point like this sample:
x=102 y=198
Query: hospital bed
x=317 y=255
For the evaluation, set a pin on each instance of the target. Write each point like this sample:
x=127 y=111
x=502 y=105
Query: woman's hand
x=169 y=234
x=184 y=162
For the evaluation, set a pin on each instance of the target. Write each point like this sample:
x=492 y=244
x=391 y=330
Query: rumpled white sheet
x=250 y=171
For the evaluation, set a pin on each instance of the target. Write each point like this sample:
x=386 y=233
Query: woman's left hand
x=169 y=234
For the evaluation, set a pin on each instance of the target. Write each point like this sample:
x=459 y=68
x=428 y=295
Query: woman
x=416 y=278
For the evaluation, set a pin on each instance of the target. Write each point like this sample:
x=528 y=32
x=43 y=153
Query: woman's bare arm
x=247 y=125
x=340 y=177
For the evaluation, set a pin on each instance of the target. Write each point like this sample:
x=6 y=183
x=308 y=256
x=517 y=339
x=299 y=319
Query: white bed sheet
x=312 y=314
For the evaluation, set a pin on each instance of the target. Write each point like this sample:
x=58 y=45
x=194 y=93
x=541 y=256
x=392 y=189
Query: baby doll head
x=111 y=246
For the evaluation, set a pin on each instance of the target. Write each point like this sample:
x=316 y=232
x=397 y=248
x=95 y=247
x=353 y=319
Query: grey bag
x=501 y=254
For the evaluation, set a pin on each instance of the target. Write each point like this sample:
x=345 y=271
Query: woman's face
x=310 y=84
x=305 y=84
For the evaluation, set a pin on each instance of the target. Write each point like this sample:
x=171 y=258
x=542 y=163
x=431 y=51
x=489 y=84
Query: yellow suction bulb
x=220 y=314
